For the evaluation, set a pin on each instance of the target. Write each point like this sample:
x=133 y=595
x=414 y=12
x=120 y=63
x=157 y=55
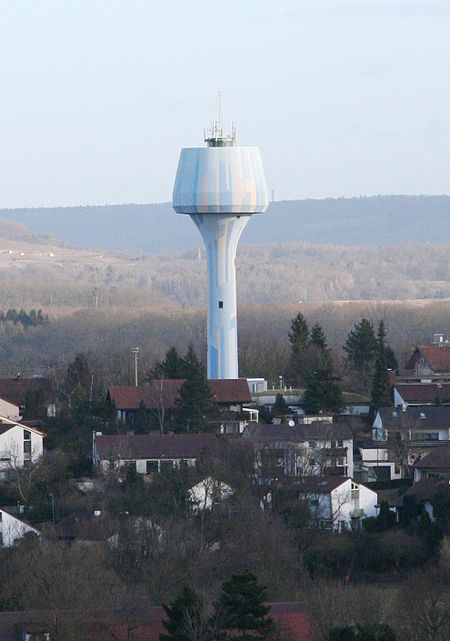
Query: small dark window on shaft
x=220 y=304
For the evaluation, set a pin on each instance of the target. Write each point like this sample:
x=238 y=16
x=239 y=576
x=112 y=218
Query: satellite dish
x=291 y=423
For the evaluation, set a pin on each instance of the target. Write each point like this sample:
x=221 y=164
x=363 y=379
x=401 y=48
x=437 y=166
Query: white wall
x=10 y=410
x=12 y=447
x=12 y=528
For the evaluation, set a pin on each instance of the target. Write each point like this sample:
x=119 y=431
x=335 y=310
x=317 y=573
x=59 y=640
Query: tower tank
x=220 y=186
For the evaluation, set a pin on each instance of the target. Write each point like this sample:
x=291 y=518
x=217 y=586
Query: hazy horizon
x=344 y=99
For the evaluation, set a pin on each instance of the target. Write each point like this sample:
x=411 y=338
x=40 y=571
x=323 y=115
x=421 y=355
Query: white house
x=423 y=425
x=378 y=457
x=11 y=410
x=12 y=528
x=303 y=450
x=208 y=492
x=338 y=503
x=19 y=445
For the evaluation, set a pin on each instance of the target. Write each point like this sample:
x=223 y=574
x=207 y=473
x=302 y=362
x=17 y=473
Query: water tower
x=220 y=186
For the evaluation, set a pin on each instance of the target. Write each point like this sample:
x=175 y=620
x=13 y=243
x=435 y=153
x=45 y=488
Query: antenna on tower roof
x=216 y=137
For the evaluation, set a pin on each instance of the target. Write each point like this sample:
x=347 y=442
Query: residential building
x=421 y=393
x=337 y=503
x=434 y=465
x=158 y=399
x=10 y=410
x=14 y=390
x=429 y=360
x=304 y=450
x=377 y=461
x=13 y=528
x=421 y=425
x=20 y=445
x=152 y=453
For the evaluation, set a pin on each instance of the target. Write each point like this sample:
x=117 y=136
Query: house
x=158 y=399
x=422 y=494
x=377 y=461
x=14 y=390
x=435 y=465
x=421 y=425
x=20 y=445
x=429 y=360
x=152 y=453
x=337 y=503
x=11 y=410
x=207 y=493
x=406 y=394
x=304 y=450
x=13 y=528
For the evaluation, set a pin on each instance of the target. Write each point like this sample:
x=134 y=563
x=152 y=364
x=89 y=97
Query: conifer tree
x=172 y=366
x=380 y=380
x=300 y=340
x=186 y=619
x=242 y=612
x=196 y=402
x=318 y=338
x=322 y=391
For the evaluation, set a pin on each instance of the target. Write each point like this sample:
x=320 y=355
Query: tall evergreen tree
x=361 y=347
x=380 y=396
x=322 y=391
x=186 y=619
x=173 y=366
x=196 y=402
x=300 y=340
x=318 y=338
x=242 y=612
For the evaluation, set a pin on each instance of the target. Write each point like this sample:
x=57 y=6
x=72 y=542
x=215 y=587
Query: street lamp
x=135 y=351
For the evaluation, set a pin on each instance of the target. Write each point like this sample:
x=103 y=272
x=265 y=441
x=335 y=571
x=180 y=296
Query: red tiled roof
x=163 y=392
x=425 y=489
x=437 y=357
x=424 y=392
x=231 y=390
x=316 y=431
x=158 y=393
x=15 y=389
x=152 y=446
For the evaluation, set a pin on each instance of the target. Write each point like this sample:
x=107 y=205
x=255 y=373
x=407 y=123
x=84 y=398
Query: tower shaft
x=221 y=233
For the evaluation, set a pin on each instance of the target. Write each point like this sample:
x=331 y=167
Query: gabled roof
x=425 y=489
x=437 y=459
x=155 y=446
x=8 y=423
x=437 y=357
x=423 y=392
x=230 y=390
x=301 y=433
x=163 y=393
x=15 y=389
x=157 y=394
x=320 y=484
x=415 y=418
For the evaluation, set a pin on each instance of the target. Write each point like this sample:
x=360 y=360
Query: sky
x=343 y=97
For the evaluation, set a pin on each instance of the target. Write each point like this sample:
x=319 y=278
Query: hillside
x=51 y=275
x=154 y=228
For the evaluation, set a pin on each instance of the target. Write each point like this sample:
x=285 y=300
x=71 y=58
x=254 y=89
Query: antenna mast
x=216 y=137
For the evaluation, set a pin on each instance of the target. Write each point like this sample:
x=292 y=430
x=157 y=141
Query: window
x=220 y=304
x=340 y=462
x=340 y=444
x=152 y=467
x=166 y=465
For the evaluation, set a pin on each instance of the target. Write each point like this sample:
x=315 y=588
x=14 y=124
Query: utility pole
x=135 y=351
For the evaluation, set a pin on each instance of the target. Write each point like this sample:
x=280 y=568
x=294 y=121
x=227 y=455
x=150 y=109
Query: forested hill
x=154 y=228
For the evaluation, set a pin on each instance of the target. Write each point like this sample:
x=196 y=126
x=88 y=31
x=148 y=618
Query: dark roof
x=423 y=392
x=151 y=446
x=438 y=459
x=163 y=392
x=300 y=433
x=415 y=417
x=291 y=618
x=437 y=357
x=425 y=489
x=320 y=484
x=15 y=389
